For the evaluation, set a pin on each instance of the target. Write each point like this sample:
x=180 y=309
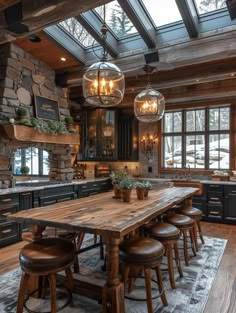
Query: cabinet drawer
x=7 y=210
x=230 y=189
x=215 y=209
x=215 y=187
x=6 y=200
x=215 y=196
x=8 y=231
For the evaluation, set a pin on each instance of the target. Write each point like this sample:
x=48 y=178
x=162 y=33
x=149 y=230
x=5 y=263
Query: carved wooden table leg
x=36 y=231
x=113 y=291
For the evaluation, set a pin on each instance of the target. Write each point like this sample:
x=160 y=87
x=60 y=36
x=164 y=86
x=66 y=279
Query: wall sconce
x=148 y=141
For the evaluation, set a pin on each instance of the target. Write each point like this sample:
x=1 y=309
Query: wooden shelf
x=24 y=133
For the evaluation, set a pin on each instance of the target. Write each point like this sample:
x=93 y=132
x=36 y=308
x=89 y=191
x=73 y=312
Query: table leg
x=113 y=291
x=36 y=231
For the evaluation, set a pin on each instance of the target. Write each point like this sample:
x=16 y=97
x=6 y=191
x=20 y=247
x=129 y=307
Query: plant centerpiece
x=69 y=123
x=126 y=185
x=140 y=187
x=147 y=186
x=116 y=178
x=21 y=114
x=24 y=170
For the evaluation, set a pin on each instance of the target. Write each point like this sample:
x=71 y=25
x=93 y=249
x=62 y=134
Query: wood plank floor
x=222 y=298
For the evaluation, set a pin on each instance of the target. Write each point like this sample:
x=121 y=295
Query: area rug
x=190 y=296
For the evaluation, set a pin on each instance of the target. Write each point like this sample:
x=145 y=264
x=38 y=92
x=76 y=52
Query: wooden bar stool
x=169 y=236
x=143 y=254
x=185 y=225
x=44 y=258
x=196 y=215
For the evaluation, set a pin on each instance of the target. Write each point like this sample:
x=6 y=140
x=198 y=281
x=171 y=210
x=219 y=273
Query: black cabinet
x=215 y=202
x=99 y=135
x=92 y=188
x=9 y=231
x=127 y=136
x=230 y=204
x=26 y=203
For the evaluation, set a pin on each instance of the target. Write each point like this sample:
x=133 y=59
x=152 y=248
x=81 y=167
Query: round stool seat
x=191 y=211
x=47 y=255
x=141 y=250
x=180 y=220
x=162 y=231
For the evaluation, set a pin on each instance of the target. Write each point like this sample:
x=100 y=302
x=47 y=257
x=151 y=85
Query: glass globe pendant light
x=103 y=82
x=149 y=104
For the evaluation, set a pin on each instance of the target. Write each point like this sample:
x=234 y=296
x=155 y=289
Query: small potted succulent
x=140 y=189
x=69 y=123
x=116 y=178
x=21 y=113
x=24 y=170
x=126 y=185
x=148 y=186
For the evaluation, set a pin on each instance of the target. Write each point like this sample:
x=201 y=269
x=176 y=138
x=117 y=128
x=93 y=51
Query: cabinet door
x=201 y=205
x=25 y=204
x=230 y=206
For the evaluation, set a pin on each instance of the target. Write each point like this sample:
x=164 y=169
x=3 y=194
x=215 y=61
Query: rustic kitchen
x=117 y=156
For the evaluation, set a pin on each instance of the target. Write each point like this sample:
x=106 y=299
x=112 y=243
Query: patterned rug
x=190 y=296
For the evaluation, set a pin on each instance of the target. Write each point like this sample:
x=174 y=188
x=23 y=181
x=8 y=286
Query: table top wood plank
x=103 y=215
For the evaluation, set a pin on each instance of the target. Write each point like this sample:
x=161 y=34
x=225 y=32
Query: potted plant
x=147 y=186
x=24 y=170
x=21 y=114
x=126 y=185
x=116 y=178
x=140 y=189
x=69 y=122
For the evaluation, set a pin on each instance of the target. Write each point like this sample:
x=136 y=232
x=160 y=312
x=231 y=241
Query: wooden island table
x=112 y=219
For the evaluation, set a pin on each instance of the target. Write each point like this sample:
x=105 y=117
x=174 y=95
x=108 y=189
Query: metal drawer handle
x=7 y=213
x=6 y=200
x=215 y=213
x=6 y=231
x=26 y=194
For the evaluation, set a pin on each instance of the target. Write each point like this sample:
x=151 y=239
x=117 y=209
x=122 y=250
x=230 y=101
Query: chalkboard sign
x=46 y=109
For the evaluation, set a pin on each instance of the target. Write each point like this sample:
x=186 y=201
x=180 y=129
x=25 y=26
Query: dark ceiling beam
x=141 y=20
x=189 y=14
x=93 y=24
x=61 y=38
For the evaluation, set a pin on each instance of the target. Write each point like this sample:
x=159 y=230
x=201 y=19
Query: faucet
x=189 y=173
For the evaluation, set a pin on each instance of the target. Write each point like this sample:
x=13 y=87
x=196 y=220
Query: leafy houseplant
x=69 y=122
x=148 y=186
x=116 y=178
x=126 y=185
x=21 y=113
x=140 y=189
x=24 y=170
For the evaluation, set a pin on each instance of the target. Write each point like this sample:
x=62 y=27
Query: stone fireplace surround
x=21 y=78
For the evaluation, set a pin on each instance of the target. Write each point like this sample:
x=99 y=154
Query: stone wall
x=21 y=78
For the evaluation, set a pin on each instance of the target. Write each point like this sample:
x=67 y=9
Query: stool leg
x=160 y=285
x=148 y=282
x=186 y=257
x=191 y=231
x=177 y=259
x=170 y=265
x=22 y=289
x=76 y=261
x=195 y=234
x=69 y=276
x=101 y=249
x=200 y=232
x=52 y=283
x=125 y=275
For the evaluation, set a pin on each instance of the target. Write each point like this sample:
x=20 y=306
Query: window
x=36 y=159
x=197 y=138
x=205 y=6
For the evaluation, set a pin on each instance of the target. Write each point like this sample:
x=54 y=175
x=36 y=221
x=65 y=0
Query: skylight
x=78 y=32
x=162 y=14
x=117 y=19
x=205 y=6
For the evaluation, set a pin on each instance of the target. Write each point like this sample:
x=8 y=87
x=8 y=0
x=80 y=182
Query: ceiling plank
x=61 y=38
x=189 y=15
x=140 y=19
x=93 y=24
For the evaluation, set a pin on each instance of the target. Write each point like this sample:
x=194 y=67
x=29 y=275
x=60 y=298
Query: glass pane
x=34 y=161
x=177 y=122
x=116 y=19
x=161 y=13
x=74 y=28
x=92 y=135
x=219 y=151
x=168 y=123
x=195 y=151
x=224 y=118
x=17 y=162
x=214 y=119
x=108 y=133
x=204 y=6
x=195 y=120
x=172 y=151
x=45 y=162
